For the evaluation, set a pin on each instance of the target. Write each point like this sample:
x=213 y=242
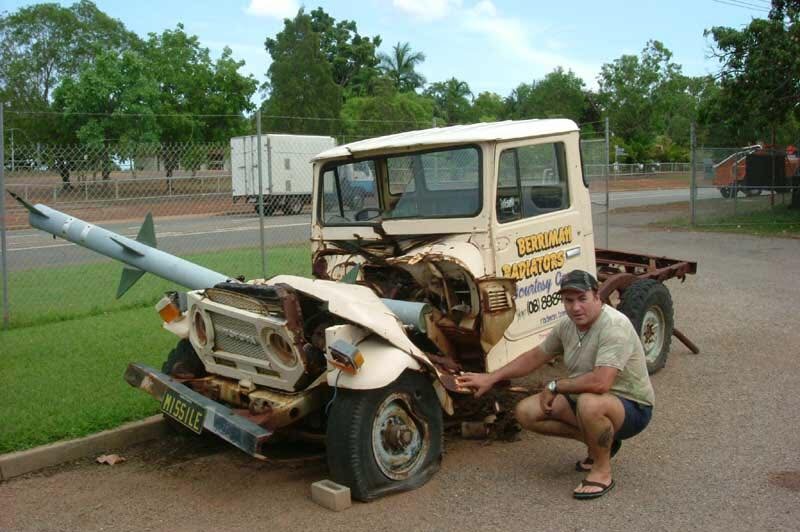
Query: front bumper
x=219 y=419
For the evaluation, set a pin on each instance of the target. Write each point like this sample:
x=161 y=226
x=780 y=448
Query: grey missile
x=138 y=255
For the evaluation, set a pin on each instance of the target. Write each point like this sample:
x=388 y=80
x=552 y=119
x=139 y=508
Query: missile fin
x=147 y=233
x=127 y=247
x=31 y=208
x=128 y=279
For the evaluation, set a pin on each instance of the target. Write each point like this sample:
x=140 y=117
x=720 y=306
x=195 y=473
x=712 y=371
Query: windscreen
x=432 y=184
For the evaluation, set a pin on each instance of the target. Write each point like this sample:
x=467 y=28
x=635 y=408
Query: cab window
x=531 y=180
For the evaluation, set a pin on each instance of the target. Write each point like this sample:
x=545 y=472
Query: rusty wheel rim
x=652 y=333
x=399 y=438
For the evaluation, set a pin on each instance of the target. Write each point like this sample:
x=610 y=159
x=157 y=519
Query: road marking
x=173 y=234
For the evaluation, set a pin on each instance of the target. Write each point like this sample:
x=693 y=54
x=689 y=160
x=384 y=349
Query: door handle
x=573 y=252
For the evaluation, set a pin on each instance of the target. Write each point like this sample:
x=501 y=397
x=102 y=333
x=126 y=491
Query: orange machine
x=750 y=170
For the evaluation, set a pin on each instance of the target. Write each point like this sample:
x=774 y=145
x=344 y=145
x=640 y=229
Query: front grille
x=498 y=300
x=236 y=336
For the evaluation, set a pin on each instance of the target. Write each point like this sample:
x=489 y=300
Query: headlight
x=279 y=349
x=199 y=328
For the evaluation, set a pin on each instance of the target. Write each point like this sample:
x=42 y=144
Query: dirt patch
x=786 y=479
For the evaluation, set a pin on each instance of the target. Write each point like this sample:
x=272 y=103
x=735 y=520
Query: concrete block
x=331 y=495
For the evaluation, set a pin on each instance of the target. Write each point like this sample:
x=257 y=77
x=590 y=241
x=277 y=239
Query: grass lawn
x=781 y=221
x=61 y=365
x=64 y=380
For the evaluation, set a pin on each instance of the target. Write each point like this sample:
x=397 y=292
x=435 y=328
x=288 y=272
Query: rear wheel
x=648 y=305
x=183 y=362
x=385 y=440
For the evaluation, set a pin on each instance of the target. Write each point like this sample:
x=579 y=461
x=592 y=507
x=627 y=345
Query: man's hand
x=546 y=398
x=479 y=383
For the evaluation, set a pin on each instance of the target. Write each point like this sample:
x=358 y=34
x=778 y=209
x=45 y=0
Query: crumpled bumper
x=219 y=419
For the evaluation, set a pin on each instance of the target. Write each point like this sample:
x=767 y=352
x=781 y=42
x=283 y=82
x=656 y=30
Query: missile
x=139 y=256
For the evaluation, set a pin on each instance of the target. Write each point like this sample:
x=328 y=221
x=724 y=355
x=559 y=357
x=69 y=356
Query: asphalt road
x=31 y=248
x=720 y=454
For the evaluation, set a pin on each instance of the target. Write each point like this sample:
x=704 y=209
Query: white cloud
x=279 y=9
x=427 y=10
x=512 y=38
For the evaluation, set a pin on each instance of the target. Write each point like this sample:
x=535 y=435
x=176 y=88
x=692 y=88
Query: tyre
x=648 y=305
x=385 y=440
x=725 y=192
x=183 y=362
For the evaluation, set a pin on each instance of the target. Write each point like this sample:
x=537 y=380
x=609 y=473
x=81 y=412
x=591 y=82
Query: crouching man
x=607 y=397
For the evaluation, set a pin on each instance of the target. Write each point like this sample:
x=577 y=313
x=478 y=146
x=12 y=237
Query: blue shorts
x=637 y=417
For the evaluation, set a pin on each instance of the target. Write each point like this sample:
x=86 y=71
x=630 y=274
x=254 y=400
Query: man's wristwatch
x=552 y=387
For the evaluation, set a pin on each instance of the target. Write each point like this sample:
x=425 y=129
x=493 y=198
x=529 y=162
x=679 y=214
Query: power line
x=744 y=5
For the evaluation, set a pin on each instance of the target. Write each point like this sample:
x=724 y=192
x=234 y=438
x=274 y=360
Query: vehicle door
x=542 y=228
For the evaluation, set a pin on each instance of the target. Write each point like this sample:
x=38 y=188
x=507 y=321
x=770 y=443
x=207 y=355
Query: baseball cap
x=578 y=280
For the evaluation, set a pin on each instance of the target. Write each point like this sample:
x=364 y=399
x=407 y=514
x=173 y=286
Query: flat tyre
x=385 y=440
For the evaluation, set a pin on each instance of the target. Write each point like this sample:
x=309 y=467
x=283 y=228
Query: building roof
x=464 y=134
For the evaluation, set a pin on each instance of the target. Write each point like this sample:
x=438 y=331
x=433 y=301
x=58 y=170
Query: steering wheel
x=362 y=215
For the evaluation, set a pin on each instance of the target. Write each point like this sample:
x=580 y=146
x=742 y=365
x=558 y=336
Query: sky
x=493 y=45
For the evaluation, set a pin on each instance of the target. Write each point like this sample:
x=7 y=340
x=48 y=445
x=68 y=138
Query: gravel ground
x=720 y=454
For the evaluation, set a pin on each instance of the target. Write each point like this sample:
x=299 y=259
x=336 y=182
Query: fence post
x=693 y=185
x=3 y=246
x=605 y=171
x=261 y=198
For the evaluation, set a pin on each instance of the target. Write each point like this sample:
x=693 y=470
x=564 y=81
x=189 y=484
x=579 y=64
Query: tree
x=388 y=111
x=352 y=57
x=193 y=88
x=760 y=74
x=488 y=107
x=96 y=105
x=559 y=94
x=452 y=99
x=647 y=96
x=400 y=67
x=300 y=81
x=43 y=44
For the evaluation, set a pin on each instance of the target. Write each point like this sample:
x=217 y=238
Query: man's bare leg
x=600 y=416
x=561 y=422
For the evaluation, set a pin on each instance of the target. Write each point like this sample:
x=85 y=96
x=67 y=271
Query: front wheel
x=648 y=304
x=385 y=440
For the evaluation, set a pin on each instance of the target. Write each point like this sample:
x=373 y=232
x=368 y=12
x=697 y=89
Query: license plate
x=184 y=411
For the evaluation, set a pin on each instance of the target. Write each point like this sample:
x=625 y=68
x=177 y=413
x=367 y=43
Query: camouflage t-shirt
x=611 y=341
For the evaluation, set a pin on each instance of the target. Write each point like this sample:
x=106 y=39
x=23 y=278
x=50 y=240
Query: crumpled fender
x=383 y=363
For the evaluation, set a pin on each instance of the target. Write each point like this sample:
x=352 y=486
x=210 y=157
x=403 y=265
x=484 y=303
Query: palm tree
x=400 y=67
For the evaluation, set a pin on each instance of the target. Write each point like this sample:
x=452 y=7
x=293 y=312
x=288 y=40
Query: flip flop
x=579 y=464
x=594 y=494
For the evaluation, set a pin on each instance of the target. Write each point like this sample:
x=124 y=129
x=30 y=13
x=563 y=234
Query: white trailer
x=286 y=177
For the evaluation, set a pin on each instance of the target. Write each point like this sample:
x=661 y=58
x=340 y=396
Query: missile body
x=136 y=254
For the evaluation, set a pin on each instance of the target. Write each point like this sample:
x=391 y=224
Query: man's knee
x=527 y=412
x=590 y=406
